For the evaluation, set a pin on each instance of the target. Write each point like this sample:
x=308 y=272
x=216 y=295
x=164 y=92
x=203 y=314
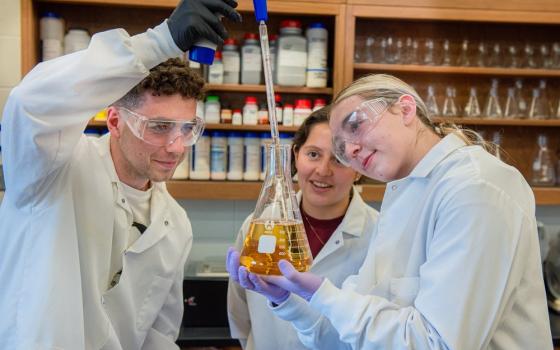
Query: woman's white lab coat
x=64 y=206
x=250 y=317
x=454 y=264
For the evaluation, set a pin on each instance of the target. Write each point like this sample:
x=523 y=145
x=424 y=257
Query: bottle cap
x=201 y=54
x=249 y=36
x=230 y=41
x=316 y=25
x=251 y=99
x=290 y=23
x=218 y=55
x=212 y=98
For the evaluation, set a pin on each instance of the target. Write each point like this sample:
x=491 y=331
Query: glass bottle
x=429 y=58
x=512 y=59
x=464 y=58
x=545 y=57
x=529 y=57
x=449 y=105
x=497 y=141
x=369 y=50
x=390 y=50
x=414 y=52
x=446 y=55
x=556 y=55
x=543 y=165
x=472 y=108
x=495 y=57
x=276 y=231
x=431 y=102
x=481 y=54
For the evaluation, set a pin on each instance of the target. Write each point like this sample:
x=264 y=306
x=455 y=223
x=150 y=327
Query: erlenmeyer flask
x=472 y=108
x=497 y=141
x=446 y=56
x=431 y=102
x=520 y=97
x=539 y=106
x=543 y=165
x=464 y=57
x=276 y=230
x=511 y=109
x=493 y=109
x=449 y=105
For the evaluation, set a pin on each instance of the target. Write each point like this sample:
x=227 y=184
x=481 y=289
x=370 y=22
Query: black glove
x=193 y=20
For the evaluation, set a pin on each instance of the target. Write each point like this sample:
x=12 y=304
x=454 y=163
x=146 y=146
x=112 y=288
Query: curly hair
x=167 y=78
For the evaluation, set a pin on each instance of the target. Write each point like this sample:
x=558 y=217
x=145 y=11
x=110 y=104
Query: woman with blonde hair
x=455 y=261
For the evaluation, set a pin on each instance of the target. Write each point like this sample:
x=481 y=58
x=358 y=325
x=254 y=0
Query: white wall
x=10 y=47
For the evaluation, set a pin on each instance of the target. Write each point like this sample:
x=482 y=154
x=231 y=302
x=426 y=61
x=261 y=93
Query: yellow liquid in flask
x=268 y=241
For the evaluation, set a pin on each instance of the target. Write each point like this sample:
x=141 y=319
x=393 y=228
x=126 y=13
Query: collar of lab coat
x=160 y=223
x=353 y=222
x=436 y=155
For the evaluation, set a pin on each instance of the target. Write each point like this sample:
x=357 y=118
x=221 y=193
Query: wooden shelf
x=262 y=88
x=491 y=71
x=500 y=122
x=239 y=190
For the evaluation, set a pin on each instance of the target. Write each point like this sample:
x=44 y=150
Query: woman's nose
x=351 y=150
x=324 y=168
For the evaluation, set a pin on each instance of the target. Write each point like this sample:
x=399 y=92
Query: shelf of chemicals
x=261 y=88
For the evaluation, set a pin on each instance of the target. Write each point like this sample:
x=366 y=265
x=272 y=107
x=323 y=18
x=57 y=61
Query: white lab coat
x=454 y=265
x=249 y=316
x=64 y=204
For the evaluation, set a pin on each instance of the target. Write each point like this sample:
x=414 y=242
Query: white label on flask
x=267 y=244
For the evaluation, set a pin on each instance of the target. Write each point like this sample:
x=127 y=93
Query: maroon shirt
x=319 y=231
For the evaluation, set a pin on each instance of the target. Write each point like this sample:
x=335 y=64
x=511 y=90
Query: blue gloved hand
x=274 y=288
x=304 y=284
x=193 y=20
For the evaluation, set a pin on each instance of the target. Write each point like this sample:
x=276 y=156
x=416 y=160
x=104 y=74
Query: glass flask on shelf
x=464 y=59
x=495 y=56
x=482 y=54
x=368 y=52
x=276 y=231
x=511 y=109
x=431 y=102
x=446 y=58
x=429 y=55
x=449 y=105
x=539 y=106
x=556 y=55
x=529 y=59
x=492 y=109
x=520 y=98
x=543 y=164
x=512 y=58
x=472 y=108
x=545 y=59
x=390 y=50
x=497 y=141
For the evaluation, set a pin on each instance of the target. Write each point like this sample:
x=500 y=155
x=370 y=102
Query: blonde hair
x=391 y=89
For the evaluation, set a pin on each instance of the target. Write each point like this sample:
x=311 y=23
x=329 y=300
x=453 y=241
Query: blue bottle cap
x=219 y=134
x=252 y=135
x=266 y=135
x=201 y=54
x=261 y=12
x=235 y=134
x=317 y=25
x=285 y=135
x=51 y=15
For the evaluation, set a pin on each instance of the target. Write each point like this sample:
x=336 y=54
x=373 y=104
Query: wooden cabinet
x=348 y=22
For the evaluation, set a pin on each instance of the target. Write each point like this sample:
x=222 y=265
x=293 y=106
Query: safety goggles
x=355 y=125
x=162 y=132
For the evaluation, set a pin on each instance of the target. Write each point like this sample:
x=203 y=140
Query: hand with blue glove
x=193 y=20
x=275 y=288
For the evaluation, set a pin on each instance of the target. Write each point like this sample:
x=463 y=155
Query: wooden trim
x=491 y=71
x=29 y=39
x=501 y=5
x=239 y=190
x=262 y=88
x=339 y=64
x=447 y=14
x=350 y=47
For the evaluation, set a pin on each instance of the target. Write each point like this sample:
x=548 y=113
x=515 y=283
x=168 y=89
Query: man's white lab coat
x=64 y=205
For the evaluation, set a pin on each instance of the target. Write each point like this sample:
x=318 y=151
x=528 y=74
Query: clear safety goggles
x=162 y=132
x=355 y=125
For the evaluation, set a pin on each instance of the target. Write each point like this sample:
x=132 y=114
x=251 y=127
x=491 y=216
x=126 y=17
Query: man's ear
x=408 y=108
x=113 y=120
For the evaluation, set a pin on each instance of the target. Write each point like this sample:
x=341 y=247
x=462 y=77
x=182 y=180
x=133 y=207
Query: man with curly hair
x=92 y=246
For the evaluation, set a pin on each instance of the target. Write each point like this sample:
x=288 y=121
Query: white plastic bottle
x=265 y=139
x=51 y=31
x=291 y=60
x=212 y=109
x=250 y=111
x=200 y=158
x=317 y=41
x=252 y=153
x=216 y=70
x=75 y=40
x=319 y=103
x=200 y=109
x=288 y=115
x=218 y=155
x=302 y=111
x=251 y=61
x=237 y=117
x=232 y=61
x=235 y=156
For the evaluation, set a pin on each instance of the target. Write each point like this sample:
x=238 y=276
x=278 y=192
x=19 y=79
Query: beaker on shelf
x=276 y=231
